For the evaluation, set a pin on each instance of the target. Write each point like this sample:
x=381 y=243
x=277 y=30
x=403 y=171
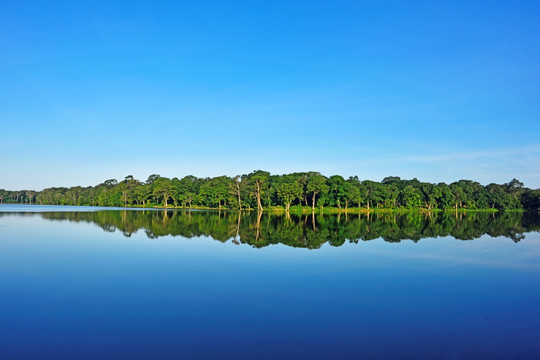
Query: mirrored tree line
x=260 y=229
x=308 y=190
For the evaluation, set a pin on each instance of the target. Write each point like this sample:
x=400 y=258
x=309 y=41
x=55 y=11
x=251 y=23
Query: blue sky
x=440 y=91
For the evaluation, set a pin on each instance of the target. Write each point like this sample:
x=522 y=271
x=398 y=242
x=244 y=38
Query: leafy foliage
x=260 y=189
x=308 y=230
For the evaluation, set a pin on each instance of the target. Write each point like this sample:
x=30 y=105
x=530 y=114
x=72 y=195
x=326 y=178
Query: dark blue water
x=69 y=290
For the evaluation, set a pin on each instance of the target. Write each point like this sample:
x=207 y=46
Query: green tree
x=187 y=190
x=259 y=183
x=372 y=193
x=531 y=199
x=288 y=190
x=142 y=193
x=237 y=188
x=316 y=186
x=459 y=194
x=216 y=191
x=162 y=187
x=336 y=190
x=410 y=197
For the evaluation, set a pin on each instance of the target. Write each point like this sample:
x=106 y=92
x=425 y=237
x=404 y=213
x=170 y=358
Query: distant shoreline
x=301 y=192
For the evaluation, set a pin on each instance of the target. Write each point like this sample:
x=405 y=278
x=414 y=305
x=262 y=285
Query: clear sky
x=440 y=91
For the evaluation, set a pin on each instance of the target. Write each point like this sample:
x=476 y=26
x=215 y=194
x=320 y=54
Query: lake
x=86 y=283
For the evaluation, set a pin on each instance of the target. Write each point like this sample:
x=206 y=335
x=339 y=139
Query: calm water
x=86 y=283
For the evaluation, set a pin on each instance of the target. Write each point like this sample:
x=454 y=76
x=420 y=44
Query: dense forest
x=260 y=229
x=297 y=191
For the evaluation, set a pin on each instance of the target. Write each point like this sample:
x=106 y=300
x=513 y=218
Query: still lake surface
x=86 y=283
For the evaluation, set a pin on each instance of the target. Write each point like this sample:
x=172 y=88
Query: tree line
x=302 y=190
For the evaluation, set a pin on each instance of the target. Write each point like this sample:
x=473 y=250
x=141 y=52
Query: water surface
x=96 y=283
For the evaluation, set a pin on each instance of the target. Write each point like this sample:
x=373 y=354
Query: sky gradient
x=440 y=91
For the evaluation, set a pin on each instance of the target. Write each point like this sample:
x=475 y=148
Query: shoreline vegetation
x=300 y=193
x=292 y=210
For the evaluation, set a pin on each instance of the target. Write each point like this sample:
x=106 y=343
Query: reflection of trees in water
x=308 y=231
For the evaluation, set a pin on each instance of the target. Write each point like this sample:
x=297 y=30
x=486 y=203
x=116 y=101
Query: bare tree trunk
x=259 y=205
x=236 y=190
x=313 y=201
x=239 y=197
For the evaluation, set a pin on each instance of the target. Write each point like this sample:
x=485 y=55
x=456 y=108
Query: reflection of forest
x=309 y=231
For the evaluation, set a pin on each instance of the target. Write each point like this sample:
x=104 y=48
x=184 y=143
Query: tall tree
x=163 y=187
x=336 y=190
x=216 y=191
x=237 y=187
x=288 y=190
x=259 y=181
x=316 y=186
